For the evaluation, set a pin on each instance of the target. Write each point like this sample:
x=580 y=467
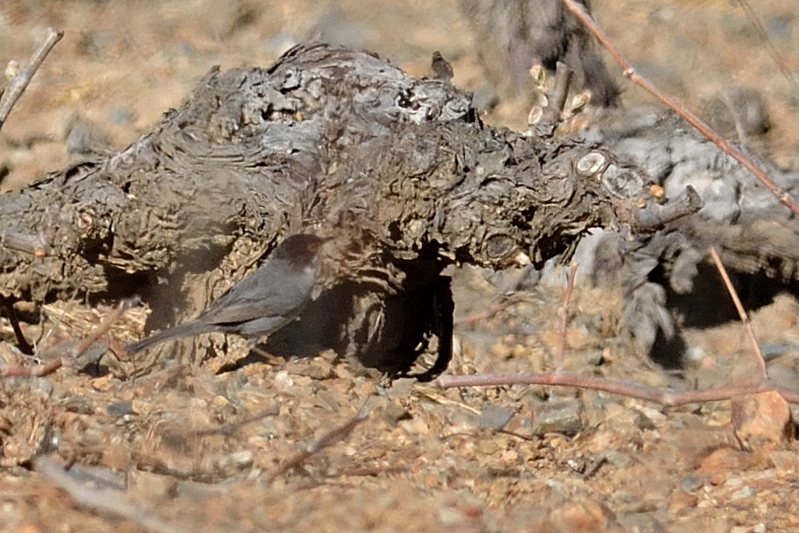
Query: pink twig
x=623 y=388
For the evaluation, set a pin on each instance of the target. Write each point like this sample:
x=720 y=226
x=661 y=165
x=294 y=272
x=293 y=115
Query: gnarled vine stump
x=398 y=172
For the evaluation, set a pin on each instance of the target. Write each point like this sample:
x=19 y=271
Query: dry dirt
x=192 y=450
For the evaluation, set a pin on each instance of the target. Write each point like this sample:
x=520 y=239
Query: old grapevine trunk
x=398 y=172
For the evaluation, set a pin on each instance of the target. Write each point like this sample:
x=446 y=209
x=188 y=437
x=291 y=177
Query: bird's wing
x=242 y=305
x=238 y=313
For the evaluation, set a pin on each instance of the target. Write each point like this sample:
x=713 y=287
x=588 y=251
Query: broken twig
x=329 y=438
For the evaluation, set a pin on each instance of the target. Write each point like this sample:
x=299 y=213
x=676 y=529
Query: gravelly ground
x=424 y=459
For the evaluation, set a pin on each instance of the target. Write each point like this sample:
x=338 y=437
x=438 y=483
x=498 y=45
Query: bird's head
x=301 y=249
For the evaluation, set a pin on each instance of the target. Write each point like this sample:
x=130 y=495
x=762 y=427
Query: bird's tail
x=182 y=330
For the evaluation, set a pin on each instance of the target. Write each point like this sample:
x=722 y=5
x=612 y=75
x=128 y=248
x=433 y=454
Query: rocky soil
x=322 y=444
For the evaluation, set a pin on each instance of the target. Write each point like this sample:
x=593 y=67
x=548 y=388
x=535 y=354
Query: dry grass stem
x=750 y=333
x=560 y=356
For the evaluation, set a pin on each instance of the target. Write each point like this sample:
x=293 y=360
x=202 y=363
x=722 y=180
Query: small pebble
x=563 y=417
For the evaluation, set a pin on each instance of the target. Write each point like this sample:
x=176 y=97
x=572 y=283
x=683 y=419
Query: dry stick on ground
x=761 y=362
x=484 y=314
x=564 y=317
x=106 y=324
x=328 y=439
x=629 y=72
x=626 y=388
x=371 y=471
x=103 y=500
x=16 y=371
x=231 y=427
x=621 y=387
x=74 y=353
x=18 y=84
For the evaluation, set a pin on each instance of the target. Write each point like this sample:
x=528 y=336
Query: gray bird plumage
x=261 y=303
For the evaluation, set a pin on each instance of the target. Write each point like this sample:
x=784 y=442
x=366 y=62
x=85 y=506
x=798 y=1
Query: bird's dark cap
x=300 y=248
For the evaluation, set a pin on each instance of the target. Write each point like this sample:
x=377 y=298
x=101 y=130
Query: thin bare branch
x=485 y=314
x=761 y=361
x=328 y=439
x=18 y=84
x=104 y=327
x=564 y=317
x=623 y=388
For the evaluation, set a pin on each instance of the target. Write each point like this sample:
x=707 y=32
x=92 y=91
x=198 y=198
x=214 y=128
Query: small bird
x=442 y=70
x=261 y=303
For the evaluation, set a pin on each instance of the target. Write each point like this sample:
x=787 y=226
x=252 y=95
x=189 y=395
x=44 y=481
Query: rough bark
x=754 y=234
x=399 y=172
